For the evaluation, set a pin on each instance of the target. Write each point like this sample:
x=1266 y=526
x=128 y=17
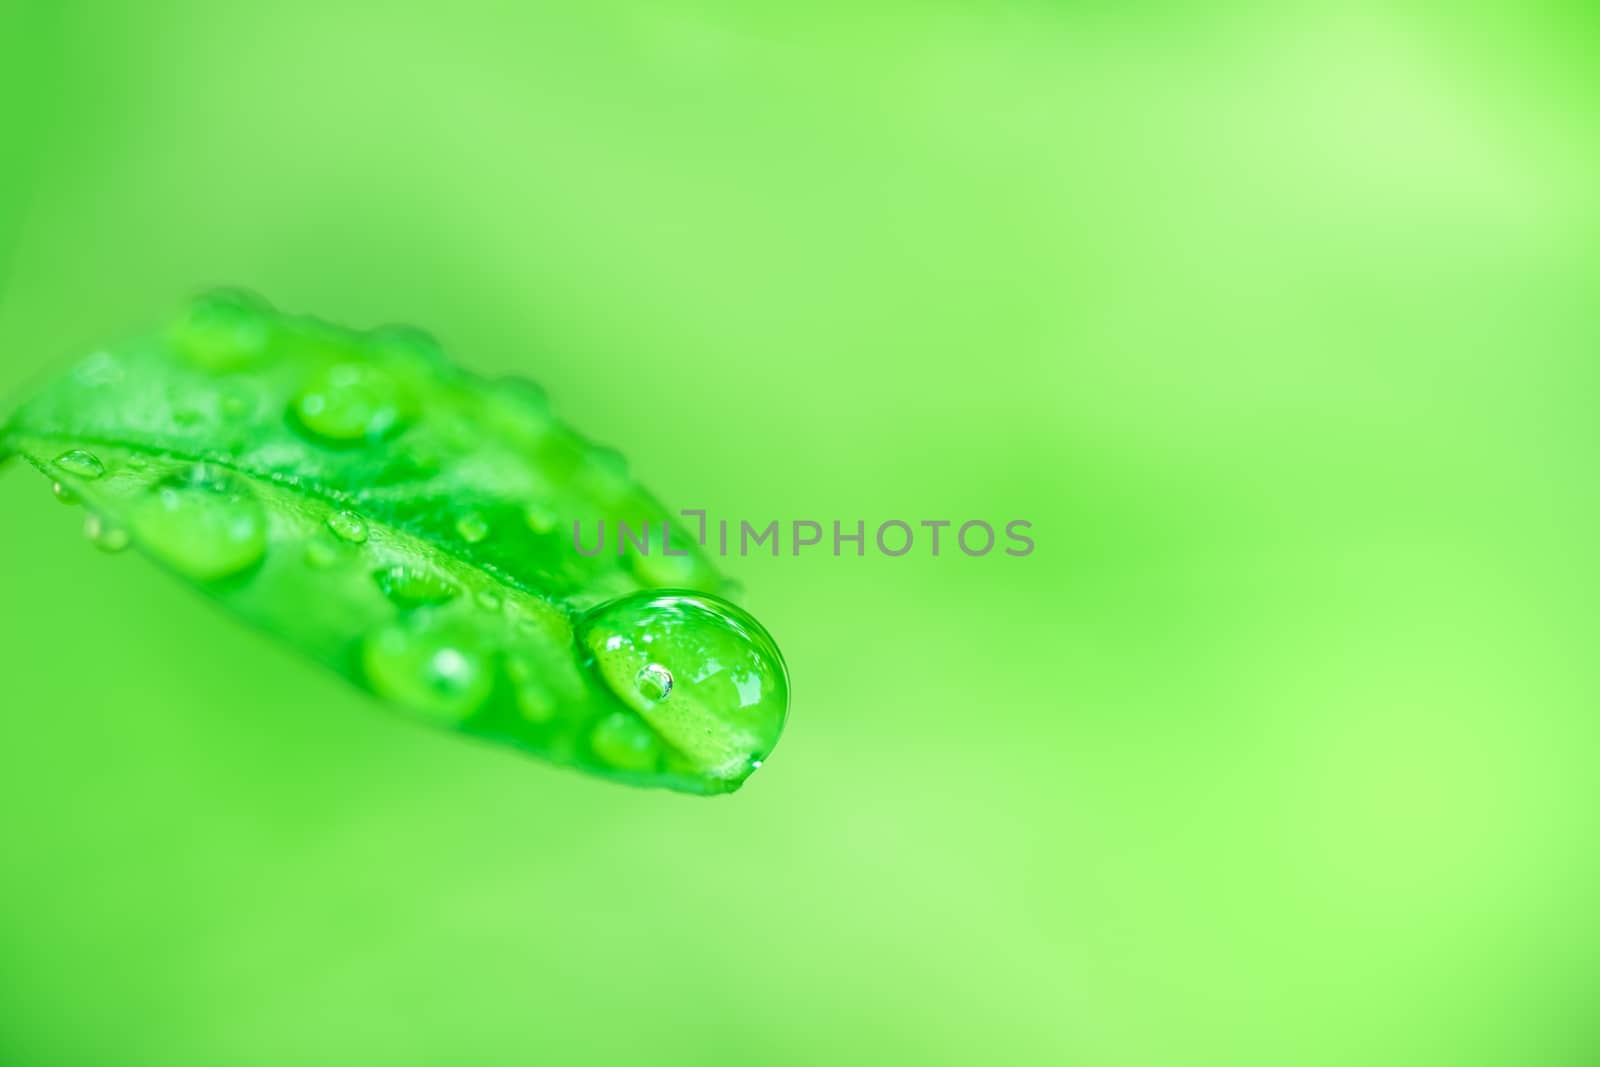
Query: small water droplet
x=348 y=526
x=534 y=699
x=351 y=402
x=654 y=682
x=225 y=330
x=405 y=343
x=440 y=670
x=413 y=587
x=103 y=535
x=138 y=462
x=81 y=464
x=489 y=600
x=64 y=495
x=99 y=370
x=530 y=396
x=204 y=523
x=625 y=742
x=472 y=527
x=237 y=402
x=541 y=518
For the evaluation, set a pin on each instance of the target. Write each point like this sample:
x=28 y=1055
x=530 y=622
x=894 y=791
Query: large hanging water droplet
x=81 y=464
x=104 y=535
x=225 y=330
x=440 y=670
x=728 y=684
x=348 y=526
x=414 y=586
x=623 y=741
x=349 y=403
x=204 y=523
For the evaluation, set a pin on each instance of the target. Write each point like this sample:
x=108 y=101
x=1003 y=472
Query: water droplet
x=98 y=370
x=138 y=462
x=103 y=535
x=414 y=587
x=541 y=518
x=225 y=330
x=406 y=344
x=348 y=526
x=534 y=698
x=654 y=681
x=64 y=495
x=205 y=523
x=529 y=396
x=657 y=570
x=729 y=686
x=81 y=464
x=472 y=527
x=438 y=669
x=489 y=600
x=237 y=402
x=625 y=742
x=351 y=402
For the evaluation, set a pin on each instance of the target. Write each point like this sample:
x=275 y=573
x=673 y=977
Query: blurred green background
x=1280 y=327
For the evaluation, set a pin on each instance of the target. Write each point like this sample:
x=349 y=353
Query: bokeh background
x=1279 y=325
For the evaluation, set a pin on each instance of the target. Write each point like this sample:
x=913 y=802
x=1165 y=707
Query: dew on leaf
x=411 y=586
x=728 y=684
x=439 y=670
x=104 y=535
x=349 y=403
x=472 y=527
x=625 y=742
x=225 y=330
x=541 y=518
x=63 y=494
x=535 y=701
x=348 y=526
x=237 y=402
x=406 y=343
x=204 y=522
x=81 y=464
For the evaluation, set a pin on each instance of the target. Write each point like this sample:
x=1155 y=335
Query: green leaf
x=411 y=526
